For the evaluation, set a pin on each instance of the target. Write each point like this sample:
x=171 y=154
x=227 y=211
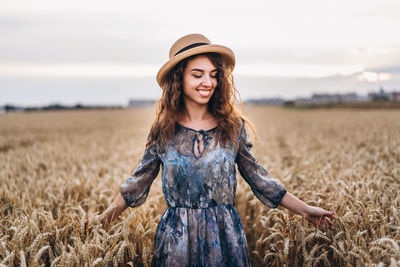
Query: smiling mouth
x=204 y=92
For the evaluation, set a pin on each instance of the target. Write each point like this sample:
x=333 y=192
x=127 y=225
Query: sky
x=107 y=52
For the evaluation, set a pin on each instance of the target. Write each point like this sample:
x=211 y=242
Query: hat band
x=189 y=47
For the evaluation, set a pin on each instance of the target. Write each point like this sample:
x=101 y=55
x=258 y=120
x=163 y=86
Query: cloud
x=81 y=38
x=296 y=70
x=81 y=70
x=283 y=48
x=388 y=69
x=290 y=88
x=368 y=56
x=387 y=73
x=374 y=77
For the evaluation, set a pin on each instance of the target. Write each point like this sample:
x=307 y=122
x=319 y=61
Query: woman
x=198 y=136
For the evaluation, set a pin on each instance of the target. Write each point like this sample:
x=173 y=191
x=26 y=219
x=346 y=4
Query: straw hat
x=190 y=45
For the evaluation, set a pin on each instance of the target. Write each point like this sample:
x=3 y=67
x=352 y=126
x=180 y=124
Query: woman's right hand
x=99 y=218
x=112 y=212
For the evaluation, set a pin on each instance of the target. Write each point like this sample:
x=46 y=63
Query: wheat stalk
x=40 y=254
x=22 y=258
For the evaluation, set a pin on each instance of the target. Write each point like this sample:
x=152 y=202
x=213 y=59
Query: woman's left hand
x=314 y=215
x=319 y=216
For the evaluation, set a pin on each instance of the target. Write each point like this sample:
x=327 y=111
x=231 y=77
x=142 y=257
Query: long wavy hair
x=221 y=105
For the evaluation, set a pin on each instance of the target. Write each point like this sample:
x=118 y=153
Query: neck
x=194 y=112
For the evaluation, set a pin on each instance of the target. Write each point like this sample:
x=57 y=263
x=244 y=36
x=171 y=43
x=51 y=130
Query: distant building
x=325 y=98
x=380 y=96
x=266 y=101
x=140 y=102
x=328 y=99
x=363 y=98
x=350 y=97
x=302 y=101
x=394 y=96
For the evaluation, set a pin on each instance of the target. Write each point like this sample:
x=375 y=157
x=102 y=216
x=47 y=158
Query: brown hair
x=221 y=104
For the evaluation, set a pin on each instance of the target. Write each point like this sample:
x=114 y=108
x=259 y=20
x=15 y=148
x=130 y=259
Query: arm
x=315 y=215
x=116 y=208
x=267 y=189
x=134 y=191
x=271 y=192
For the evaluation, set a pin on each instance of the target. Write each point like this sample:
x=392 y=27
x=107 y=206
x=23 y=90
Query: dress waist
x=201 y=206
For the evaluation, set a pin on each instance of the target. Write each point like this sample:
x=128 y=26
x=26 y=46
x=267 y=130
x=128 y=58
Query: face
x=199 y=80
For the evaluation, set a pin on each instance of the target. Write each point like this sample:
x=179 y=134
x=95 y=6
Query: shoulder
x=243 y=129
x=152 y=148
x=247 y=133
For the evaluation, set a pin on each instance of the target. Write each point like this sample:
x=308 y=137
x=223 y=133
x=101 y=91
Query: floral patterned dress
x=201 y=226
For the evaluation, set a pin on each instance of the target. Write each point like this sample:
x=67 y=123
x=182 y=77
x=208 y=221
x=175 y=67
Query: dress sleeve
x=267 y=189
x=137 y=187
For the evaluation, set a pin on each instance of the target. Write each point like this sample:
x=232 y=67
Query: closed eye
x=199 y=76
x=198 y=73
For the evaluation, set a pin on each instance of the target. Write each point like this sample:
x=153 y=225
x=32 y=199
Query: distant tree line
x=380 y=99
x=53 y=107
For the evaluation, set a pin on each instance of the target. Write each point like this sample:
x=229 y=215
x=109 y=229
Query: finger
x=329 y=221
x=331 y=214
x=320 y=220
x=326 y=222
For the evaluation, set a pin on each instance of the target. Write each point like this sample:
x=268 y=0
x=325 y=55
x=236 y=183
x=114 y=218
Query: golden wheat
x=58 y=169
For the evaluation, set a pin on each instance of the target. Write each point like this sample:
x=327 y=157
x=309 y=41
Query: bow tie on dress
x=204 y=138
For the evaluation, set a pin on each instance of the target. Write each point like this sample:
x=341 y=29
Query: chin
x=203 y=102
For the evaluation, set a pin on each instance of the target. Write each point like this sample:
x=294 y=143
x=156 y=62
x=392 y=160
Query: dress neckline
x=197 y=131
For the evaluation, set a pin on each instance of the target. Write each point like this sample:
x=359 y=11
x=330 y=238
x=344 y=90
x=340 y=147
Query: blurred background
x=108 y=53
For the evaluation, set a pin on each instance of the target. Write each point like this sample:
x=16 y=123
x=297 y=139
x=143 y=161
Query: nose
x=207 y=82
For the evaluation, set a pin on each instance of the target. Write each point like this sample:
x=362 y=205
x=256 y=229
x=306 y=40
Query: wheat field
x=57 y=169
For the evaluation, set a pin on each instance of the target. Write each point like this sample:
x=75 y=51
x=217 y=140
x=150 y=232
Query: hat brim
x=224 y=51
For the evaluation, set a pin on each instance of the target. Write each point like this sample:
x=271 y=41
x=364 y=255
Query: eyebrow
x=200 y=70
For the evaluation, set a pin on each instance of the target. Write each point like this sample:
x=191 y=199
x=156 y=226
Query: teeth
x=204 y=92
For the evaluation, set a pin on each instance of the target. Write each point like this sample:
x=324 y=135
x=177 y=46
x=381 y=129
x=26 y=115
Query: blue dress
x=201 y=226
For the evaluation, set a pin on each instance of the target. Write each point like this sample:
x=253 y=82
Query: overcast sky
x=107 y=52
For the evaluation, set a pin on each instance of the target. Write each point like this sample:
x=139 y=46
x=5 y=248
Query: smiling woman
x=198 y=137
x=199 y=80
